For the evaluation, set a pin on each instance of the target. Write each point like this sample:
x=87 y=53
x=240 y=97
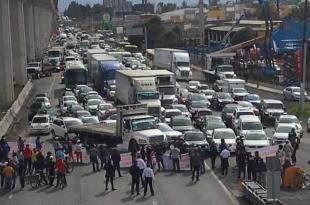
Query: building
x=118 y=6
x=181 y=15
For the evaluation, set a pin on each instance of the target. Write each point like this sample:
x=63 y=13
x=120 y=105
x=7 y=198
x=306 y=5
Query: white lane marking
x=229 y=194
x=154 y=203
x=10 y=196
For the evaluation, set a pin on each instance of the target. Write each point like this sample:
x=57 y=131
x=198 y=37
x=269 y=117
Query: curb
x=11 y=115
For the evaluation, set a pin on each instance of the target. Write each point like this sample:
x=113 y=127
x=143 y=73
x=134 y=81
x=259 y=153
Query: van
x=248 y=123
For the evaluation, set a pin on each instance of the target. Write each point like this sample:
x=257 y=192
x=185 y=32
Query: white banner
x=264 y=152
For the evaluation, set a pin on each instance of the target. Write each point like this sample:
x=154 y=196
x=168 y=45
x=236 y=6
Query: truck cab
x=181 y=66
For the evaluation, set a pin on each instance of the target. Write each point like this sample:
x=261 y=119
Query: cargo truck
x=174 y=60
x=88 y=56
x=133 y=125
x=134 y=86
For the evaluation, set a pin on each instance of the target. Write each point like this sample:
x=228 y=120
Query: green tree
x=184 y=4
x=178 y=32
x=169 y=39
x=242 y=35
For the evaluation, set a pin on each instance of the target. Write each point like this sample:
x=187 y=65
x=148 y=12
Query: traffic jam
x=113 y=95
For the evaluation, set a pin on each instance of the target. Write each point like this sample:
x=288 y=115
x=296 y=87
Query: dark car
x=181 y=123
x=210 y=126
x=227 y=114
x=254 y=99
x=198 y=116
x=34 y=109
x=197 y=97
x=219 y=100
x=218 y=86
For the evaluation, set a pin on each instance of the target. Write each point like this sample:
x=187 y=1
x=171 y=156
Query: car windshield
x=183 y=64
x=144 y=124
x=253 y=97
x=275 y=105
x=195 y=136
x=203 y=87
x=94 y=97
x=224 y=135
x=91 y=120
x=41 y=100
x=67 y=98
x=229 y=109
x=199 y=98
x=105 y=107
x=209 y=92
x=244 y=113
x=167 y=90
x=199 y=104
x=284 y=129
x=288 y=120
x=33 y=64
x=40 y=120
x=69 y=93
x=224 y=96
x=83 y=114
x=204 y=112
x=225 y=69
x=246 y=104
x=252 y=126
x=171 y=114
x=181 y=108
x=181 y=122
x=239 y=90
x=68 y=103
x=212 y=126
x=193 y=83
x=148 y=95
x=295 y=90
x=256 y=136
x=93 y=102
x=70 y=123
x=165 y=128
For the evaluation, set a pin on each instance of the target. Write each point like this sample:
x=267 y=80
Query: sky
x=64 y=3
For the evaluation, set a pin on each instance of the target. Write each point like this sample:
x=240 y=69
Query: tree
x=242 y=35
x=177 y=32
x=184 y=4
x=169 y=39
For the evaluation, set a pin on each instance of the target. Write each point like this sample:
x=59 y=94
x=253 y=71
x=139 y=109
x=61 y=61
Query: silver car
x=293 y=93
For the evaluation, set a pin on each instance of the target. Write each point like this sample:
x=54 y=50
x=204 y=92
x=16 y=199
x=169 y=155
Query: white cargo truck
x=174 y=60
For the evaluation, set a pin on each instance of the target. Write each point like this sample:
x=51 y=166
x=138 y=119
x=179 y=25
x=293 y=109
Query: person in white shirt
x=175 y=156
x=148 y=176
x=141 y=164
x=78 y=152
x=225 y=154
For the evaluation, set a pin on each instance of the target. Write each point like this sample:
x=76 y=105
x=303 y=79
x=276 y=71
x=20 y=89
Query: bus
x=75 y=74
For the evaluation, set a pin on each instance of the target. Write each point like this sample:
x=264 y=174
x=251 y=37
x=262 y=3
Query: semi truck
x=133 y=125
x=103 y=69
x=54 y=56
x=138 y=87
x=88 y=56
x=174 y=60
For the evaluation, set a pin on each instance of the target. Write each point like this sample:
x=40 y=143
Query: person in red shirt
x=61 y=171
x=27 y=156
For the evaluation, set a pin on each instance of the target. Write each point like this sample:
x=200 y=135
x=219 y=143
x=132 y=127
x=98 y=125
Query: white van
x=248 y=123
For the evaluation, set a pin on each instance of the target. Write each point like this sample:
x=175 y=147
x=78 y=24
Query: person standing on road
x=102 y=154
x=159 y=151
x=109 y=174
x=21 y=169
x=50 y=165
x=40 y=165
x=251 y=167
x=295 y=141
x=202 y=151
x=20 y=143
x=61 y=171
x=175 y=156
x=135 y=177
x=148 y=176
x=288 y=150
x=142 y=152
x=38 y=143
x=225 y=154
x=213 y=153
x=196 y=162
x=4 y=149
x=149 y=155
x=241 y=164
x=141 y=164
x=27 y=156
x=56 y=145
x=8 y=172
x=78 y=152
x=93 y=155
x=116 y=159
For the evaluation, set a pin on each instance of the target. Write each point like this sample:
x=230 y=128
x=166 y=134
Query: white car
x=66 y=104
x=90 y=120
x=208 y=93
x=290 y=119
x=293 y=93
x=228 y=135
x=192 y=86
x=111 y=92
x=239 y=93
x=195 y=137
x=69 y=98
x=92 y=105
x=280 y=135
x=183 y=109
x=255 y=140
x=170 y=133
x=169 y=113
x=40 y=124
x=44 y=100
x=60 y=127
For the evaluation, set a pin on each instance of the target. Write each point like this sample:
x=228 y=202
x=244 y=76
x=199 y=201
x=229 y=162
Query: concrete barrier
x=11 y=115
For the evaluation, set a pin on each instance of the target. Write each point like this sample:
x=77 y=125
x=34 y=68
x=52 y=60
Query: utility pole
x=202 y=22
x=304 y=64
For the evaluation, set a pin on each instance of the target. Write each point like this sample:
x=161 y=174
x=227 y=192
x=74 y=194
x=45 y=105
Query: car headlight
x=46 y=126
x=142 y=141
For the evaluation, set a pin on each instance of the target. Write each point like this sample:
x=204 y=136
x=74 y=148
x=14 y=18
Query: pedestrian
x=288 y=150
x=14 y=164
x=251 y=167
x=213 y=153
x=40 y=165
x=159 y=151
x=280 y=154
x=261 y=170
x=21 y=169
x=60 y=154
x=141 y=164
x=50 y=165
x=148 y=176
x=225 y=154
x=222 y=145
x=38 y=143
x=78 y=152
x=93 y=155
x=149 y=155
x=191 y=153
x=135 y=177
x=2 y=165
x=295 y=141
x=61 y=171
x=4 y=149
x=20 y=143
x=241 y=164
x=56 y=145
x=116 y=159
x=143 y=153
x=8 y=172
x=102 y=154
x=27 y=156
x=33 y=160
x=196 y=162
x=109 y=174
x=70 y=150
x=175 y=155
x=202 y=154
